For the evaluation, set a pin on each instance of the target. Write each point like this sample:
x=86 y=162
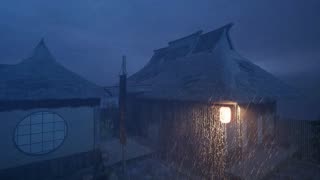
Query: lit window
x=40 y=133
x=225 y=114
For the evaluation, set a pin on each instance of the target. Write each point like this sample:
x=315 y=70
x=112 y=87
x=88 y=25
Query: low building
x=50 y=118
x=204 y=103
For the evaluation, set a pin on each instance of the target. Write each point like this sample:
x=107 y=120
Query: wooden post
x=122 y=110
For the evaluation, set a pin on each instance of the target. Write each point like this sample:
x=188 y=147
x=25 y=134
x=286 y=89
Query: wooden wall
x=258 y=125
x=187 y=133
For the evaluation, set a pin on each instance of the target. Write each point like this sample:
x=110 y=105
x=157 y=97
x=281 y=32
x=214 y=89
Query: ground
x=297 y=170
x=268 y=163
x=260 y=161
x=154 y=169
x=142 y=169
x=157 y=170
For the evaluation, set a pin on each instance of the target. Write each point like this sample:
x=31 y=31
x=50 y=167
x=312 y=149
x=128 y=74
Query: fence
x=296 y=133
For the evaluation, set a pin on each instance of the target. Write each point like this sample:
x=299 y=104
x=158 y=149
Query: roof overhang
x=10 y=105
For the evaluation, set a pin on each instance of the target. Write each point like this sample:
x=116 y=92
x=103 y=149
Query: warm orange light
x=225 y=114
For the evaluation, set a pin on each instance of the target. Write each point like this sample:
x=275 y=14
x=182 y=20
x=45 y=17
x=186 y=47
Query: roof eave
x=10 y=105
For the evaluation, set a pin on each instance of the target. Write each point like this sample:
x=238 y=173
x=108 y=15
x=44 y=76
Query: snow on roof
x=205 y=67
x=41 y=77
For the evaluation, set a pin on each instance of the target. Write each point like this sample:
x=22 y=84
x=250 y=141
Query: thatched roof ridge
x=206 y=67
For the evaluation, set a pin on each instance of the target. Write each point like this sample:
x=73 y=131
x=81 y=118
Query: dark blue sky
x=89 y=36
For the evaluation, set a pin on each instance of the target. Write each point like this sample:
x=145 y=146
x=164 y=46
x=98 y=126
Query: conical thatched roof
x=41 y=77
x=205 y=67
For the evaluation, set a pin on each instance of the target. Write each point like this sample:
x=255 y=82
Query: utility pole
x=122 y=111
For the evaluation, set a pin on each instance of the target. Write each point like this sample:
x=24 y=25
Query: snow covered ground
x=141 y=169
x=260 y=162
x=275 y=163
x=152 y=168
x=112 y=151
x=296 y=170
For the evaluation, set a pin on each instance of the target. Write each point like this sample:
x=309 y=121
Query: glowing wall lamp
x=225 y=114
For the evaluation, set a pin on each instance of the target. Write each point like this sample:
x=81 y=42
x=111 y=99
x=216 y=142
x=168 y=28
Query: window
x=40 y=133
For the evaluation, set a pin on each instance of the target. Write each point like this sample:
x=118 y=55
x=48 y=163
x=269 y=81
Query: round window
x=40 y=133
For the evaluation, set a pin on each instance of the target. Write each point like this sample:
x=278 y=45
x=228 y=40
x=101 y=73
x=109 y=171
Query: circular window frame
x=48 y=152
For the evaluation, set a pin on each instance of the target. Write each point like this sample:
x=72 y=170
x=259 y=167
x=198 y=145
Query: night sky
x=89 y=36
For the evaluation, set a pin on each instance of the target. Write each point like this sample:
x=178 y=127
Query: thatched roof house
x=186 y=87
x=50 y=118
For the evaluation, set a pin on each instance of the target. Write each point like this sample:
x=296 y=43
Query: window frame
x=66 y=129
